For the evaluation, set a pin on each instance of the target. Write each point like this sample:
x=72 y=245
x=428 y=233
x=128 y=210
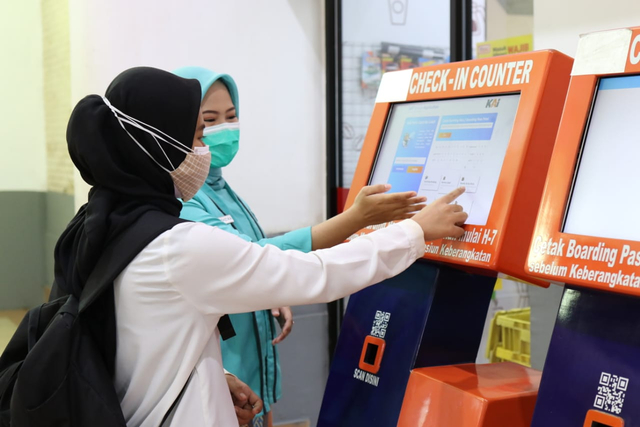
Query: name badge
x=226 y=219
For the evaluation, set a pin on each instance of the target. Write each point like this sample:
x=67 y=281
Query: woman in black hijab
x=136 y=147
x=125 y=181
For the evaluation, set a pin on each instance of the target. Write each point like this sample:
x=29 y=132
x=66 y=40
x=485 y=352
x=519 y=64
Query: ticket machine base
x=492 y=395
x=427 y=316
x=592 y=373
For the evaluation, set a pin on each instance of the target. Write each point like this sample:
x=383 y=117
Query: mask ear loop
x=163 y=152
x=138 y=124
x=144 y=149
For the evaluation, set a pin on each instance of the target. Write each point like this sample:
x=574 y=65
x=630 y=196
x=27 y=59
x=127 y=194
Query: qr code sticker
x=611 y=393
x=380 y=324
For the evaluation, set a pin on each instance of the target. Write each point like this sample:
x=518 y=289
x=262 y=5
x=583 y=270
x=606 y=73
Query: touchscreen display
x=604 y=200
x=433 y=147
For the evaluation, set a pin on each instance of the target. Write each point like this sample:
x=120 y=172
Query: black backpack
x=53 y=372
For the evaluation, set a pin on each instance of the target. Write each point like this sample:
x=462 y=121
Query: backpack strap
x=32 y=328
x=122 y=250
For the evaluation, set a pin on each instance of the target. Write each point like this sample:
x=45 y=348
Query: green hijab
x=206 y=79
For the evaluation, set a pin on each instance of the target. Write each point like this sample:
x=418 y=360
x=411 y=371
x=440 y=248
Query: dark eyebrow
x=216 y=112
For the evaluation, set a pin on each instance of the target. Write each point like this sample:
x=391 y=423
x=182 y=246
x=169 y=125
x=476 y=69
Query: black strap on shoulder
x=34 y=322
x=122 y=250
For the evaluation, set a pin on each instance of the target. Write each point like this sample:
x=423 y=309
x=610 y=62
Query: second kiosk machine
x=488 y=125
x=588 y=236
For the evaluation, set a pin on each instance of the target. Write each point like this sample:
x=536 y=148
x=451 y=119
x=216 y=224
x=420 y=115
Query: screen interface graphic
x=433 y=147
x=604 y=200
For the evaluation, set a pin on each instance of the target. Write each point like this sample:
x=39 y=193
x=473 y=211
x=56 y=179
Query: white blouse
x=170 y=297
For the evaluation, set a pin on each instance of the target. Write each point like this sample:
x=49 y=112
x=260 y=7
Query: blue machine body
x=593 y=361
x=429 y=315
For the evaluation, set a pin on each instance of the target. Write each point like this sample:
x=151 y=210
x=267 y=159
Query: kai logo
x=492 y=103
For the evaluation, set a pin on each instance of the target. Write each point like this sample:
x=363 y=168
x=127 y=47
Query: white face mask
x=191 y=174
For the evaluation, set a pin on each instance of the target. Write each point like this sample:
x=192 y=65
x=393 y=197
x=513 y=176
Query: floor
x=9 y=321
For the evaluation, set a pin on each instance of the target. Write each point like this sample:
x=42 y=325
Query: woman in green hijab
x=251 y=354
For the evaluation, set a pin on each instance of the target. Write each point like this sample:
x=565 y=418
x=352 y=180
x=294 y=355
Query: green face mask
x=223 y=141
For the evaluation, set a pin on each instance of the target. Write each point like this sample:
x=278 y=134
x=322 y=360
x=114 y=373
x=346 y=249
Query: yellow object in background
x=505 y=46
x=510 y=337
x=498 y=286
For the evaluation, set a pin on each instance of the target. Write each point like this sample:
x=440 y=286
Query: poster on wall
x=505 y=46
x=380 y=36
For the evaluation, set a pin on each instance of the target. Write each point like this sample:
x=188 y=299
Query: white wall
x=558 y=24
x=22 y=136
x=275 y=51
x=501 y=25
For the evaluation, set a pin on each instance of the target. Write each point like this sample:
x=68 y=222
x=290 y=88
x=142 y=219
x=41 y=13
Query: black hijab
x=126 y=182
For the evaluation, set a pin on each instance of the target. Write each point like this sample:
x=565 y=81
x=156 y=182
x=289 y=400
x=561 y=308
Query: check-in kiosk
x=587 y=235
x=488 y=125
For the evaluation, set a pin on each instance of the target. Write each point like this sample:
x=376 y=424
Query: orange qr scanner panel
x=372 y=352
x=587 y=232
x=488 y=125
x=602 y=419
x=492 y=395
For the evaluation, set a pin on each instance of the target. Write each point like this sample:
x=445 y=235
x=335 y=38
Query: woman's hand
x=442 y=218
x=246 y=402
x=372 y=206
x=284 y=316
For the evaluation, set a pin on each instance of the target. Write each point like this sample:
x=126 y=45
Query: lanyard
x=247 y=210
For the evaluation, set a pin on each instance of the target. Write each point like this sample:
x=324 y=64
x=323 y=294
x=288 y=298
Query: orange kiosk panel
x=488 y=125
x=587 y=231
x=372 y=352
x=587 y=236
